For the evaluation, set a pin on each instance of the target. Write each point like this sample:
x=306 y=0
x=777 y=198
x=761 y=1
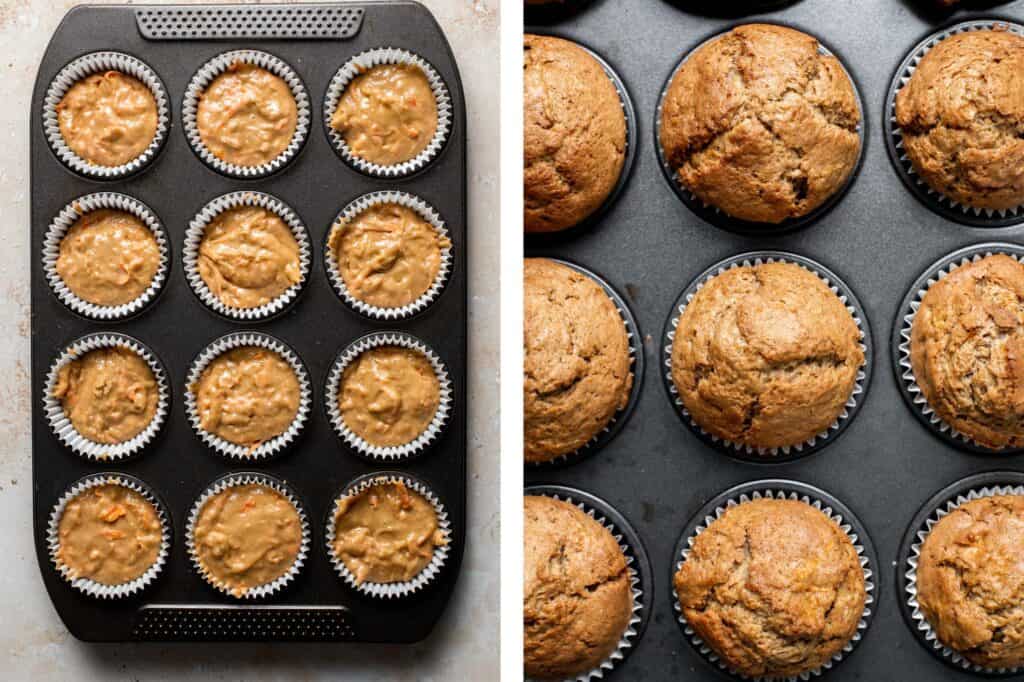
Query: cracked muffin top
x=967 y=350
x=961 y=116
x=577 y=600
x=760 y=124
x=970 y=581
x=576 y=359
x=775 y=587
x=766 y=355
x=574 y=134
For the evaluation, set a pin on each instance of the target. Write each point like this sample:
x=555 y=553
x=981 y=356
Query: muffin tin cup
x=83 y=67
x=637 y=362
x=221 y=64
x=942 y=503
x=61 y=425
x=63 y=222
x=427 y=574
x=239 y=479
x=552 y=11
x=387 y=453
x=719 y=218
x=194 y=237
x=363 y=62
x=779 y=489
x=91 y=587
x=909 y=388
x=640 y=575
x=791 y=452
x=267 y=449
x=934 y=200
x=422 y=209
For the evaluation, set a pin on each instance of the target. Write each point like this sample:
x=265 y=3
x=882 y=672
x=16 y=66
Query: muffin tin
x=314 y=40
x=877 y=239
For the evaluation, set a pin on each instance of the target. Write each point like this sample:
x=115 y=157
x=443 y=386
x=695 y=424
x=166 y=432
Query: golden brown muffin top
x=775 y=587
x=961 y=116
x=574 y=134
x=967 y=350
x=760 y=124
x=577 y=365
x=577 y=600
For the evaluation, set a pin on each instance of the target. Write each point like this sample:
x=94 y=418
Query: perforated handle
x=243 y=623
x=297 y=22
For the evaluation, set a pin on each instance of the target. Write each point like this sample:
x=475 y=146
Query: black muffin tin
x=315 y=40
x=878 y=238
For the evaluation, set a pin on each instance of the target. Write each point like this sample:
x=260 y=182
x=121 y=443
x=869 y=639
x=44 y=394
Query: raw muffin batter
x=108 y=118
x=108 y=257
x=387 y=114
x=247 y=116
x=109 y=394
x=386 y=534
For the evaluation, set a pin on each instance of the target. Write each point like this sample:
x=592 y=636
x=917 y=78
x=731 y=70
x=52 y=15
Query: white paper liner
x=388 y=452
x=904 y=78
x=824 y=507
x=911 y=574
x=91 y=587
x=194 y=237
x=268 y=448
x=365 y=61
x=65 y=430
x=221 y=64
x=232 y=481
x=83 y=67
x=427 y=574
x=629 y=635
x=67 y=217
x=425 y=211
x=851 y=402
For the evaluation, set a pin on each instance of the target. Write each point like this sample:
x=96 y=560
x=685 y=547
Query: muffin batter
x=248 y=257
x=389 y=395
x=108 y=257
x=247 y=536
x=108 y=118
x=388 y=255
x=109 y=534
x=109 y=394
x=387 y=114
x=386 y=534
x=247 y=396
x=247 y=116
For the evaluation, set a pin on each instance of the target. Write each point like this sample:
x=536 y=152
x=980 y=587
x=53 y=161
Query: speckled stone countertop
x=33 y=643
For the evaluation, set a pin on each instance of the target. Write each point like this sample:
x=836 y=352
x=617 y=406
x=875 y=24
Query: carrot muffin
x=387 y=114
x=577 y=600
x=970 y=581
x=967 y=349
x=248 y=257
x=761 y=125
x=387 y=255
x=109 y=394
x=962 y=119
x=247 y=116
x=386 y=533
x=108 y=119
x=574 y=134
x=774 y=587
x=108 y=534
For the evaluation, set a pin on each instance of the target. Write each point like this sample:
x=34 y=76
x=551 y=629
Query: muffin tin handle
x=294 y=22
x=243 y=623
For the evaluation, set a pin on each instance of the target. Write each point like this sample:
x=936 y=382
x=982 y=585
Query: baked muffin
x=970 y=581
x=577 y=371
x=967 y=348
x=758 y=123
x=574 y=134
x=774 y=587
x=577 y=600
x=962 y=119
x=765 y=355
